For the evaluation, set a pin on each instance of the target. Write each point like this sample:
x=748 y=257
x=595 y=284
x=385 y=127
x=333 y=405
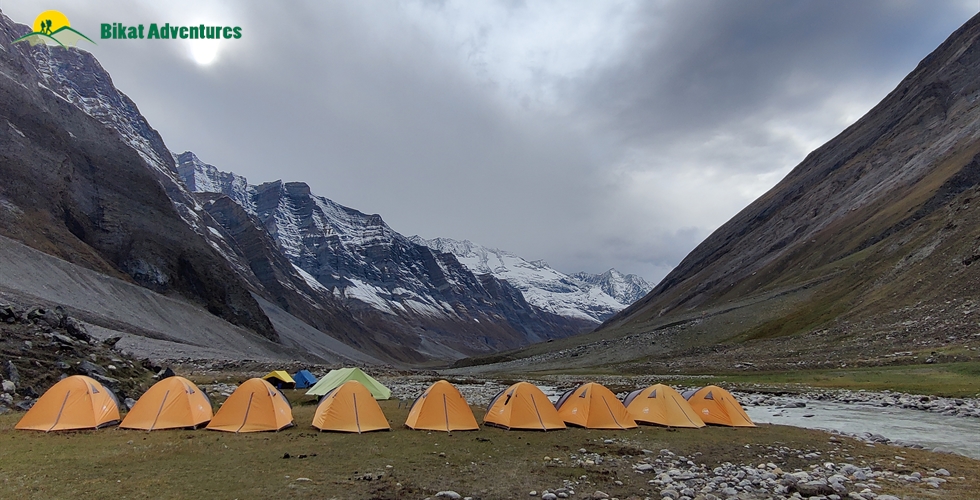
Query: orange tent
x=254 y=407
x=523 y=406
x=594 y=407
x=350 y=408
x=171 y=403
x=662 y=405
x=76 y=402
x=718 y=406
x=441 y=408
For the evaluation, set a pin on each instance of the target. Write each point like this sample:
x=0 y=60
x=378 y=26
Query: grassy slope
x=948 y=380
x=491 y=463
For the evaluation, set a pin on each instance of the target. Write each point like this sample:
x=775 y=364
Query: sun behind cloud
x=58 y=21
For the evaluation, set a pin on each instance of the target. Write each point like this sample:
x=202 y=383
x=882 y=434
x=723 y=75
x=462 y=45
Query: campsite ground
x=489 y=464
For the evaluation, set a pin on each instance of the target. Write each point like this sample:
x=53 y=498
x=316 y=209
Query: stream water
x=931 y=430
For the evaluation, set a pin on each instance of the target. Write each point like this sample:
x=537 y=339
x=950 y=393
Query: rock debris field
x=677 y=477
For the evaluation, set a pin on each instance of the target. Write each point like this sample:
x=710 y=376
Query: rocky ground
x=40 y=346
x=678 y=477
x=955 y=407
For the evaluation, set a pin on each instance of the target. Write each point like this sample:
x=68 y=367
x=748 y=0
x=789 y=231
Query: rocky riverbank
x=678 y=477
x=956 y=407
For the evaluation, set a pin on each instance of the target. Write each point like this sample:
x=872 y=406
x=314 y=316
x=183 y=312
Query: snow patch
x=310 y=280
x=364 y=292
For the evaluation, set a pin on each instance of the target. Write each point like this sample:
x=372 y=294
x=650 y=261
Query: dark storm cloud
x=591 y=135
x=700 y=65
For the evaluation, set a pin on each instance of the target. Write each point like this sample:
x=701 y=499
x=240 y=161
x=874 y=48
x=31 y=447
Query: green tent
x=335 y=378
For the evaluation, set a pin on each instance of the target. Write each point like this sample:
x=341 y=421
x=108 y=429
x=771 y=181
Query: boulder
x=149 y=365
x=63 y=339
x=7 y=313
x=52 y=319
x=28 y=392
x=814 y=488
x=34 y=313
x=10 y=372
x=106 y=381
x=452 y=495
x=9 y=387
x=76 y=329
x=91 y=369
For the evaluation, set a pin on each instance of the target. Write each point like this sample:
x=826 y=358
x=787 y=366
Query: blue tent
x=304 y=379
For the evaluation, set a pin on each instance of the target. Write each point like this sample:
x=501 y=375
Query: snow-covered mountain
x=358 y=259
x=252 y=253
x=591 y=297
x=626 y=288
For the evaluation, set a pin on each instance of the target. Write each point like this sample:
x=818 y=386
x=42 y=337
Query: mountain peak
x=585 y=296
x=626 y=288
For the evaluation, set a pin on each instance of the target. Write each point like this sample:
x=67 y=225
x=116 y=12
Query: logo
x=52 y=28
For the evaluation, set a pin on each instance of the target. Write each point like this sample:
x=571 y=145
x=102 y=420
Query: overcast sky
x=590 y=134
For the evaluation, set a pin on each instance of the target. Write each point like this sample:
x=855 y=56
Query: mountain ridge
x=242 y=263
x=593 y=297
x=864 y=252
x=373 y=269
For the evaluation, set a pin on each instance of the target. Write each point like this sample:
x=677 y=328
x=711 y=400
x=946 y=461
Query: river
x=931 y=430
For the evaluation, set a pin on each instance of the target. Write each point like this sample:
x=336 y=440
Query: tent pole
x=611 y=414
x=538 y=413
x=445 y=410
x=357 y=417
x=154 y=424
x=63 y=403
x=247 y=409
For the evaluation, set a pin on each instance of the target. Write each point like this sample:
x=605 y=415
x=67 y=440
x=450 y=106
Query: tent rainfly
x=172 y=403
x=304 y=379
x=523 y=406
x=76 y=402
x=717 y=406
x=350 y=408
x=254 y=407
x=280 y=379
x=661 y=405
x=337 y=377
x=594 y=407
x=441 y=408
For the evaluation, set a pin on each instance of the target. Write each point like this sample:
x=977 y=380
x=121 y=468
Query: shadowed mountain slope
x=868 y=247
x=73 y=188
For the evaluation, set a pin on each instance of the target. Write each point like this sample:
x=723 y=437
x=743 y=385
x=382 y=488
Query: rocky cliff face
x=377 y=273
x=83 y=192
x=110 y=196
